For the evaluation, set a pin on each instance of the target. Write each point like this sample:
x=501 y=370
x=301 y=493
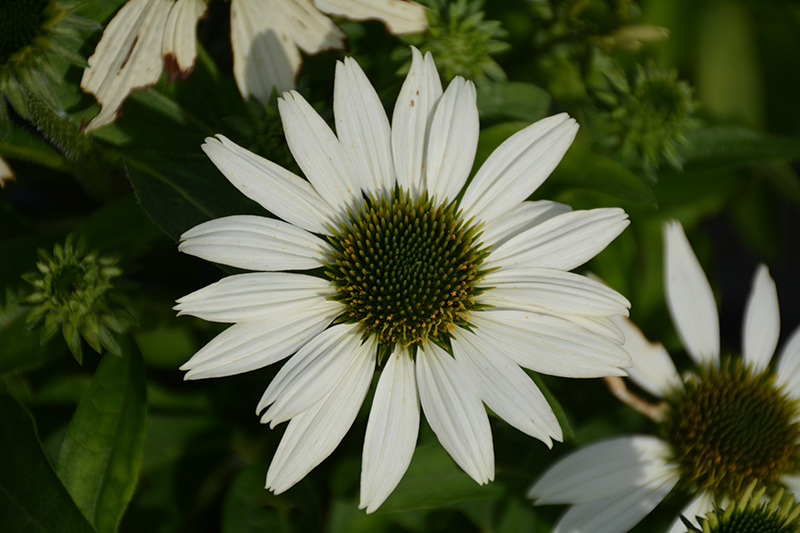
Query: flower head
x=728 y=424
x=450 y=290
x=147 y=36
x=34 y=35
x=74 y=292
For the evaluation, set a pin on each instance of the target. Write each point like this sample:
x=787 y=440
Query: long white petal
x=699 y=506
x=251 y=297
x=551 y=345
x=517 y=167
x=265 y=57
x=279 y=191
x=553 y=290
x=318 y=152
x=452 y=141
x=305 y=25
x=312 y=435
x=519 y=219
x=762 y=321
x=312 y=373
x=652 y=367
x=455 y=413
x=363 y=128
x=603 y=469
x=619 y=512
x=180 y=41
x=400 y=16
x=505 y=387
x=413 y=113
x=251 y=345
x=788 y=372
x=254 y=243
x=564 y=242
x=689 y=298
x=391 y=431
x=127 y=57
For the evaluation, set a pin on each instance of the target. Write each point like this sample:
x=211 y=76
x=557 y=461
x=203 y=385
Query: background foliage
x=120 y=442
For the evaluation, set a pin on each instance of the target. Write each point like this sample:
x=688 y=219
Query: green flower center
x=21 y=22
x=406 y=268
x=730 y=427
x=749 y=515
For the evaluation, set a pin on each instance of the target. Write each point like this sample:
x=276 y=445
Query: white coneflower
x=727 y=424
x=449 y=293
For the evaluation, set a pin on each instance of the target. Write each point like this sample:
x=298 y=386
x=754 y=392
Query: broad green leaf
x=102 y=453
x=433 y=480
x=117 y=225
x=22 y=144
x=515 y=101
x=725 y=146
x=346 y=517
x=181 y=191
x=583 y=169
x=32 y=499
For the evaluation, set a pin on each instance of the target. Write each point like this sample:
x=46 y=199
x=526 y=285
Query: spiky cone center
x=750 y=514
x=21 y=23
x=731 y=426
x=406 y=268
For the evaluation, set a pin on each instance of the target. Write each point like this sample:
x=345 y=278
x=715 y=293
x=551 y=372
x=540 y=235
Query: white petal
x=788 y=372
x=452 y=141
x=391 y=431
x=699 y=506
x=517 y=167
x=413 y=113
x=652 y=367
x=455 y=413
x=400 y=16
x=599 y=325
x=552 y=345
x=254 y=243
x=762 y=321
x=689 y=298
x=127 y=57
x=619 y=512
x=312 y=435
x=505 y=387
x=318 y=152
x=604 y=469
x=6 y=174
x=279 y=191
x=180 y=40
x=312 y=373
x=251 y=345
x=304 y=24
x=251 y=297
x=363 y=128
x=792 y=482
x=265 y=56
x=552 y=290
x=518 y=219
x=564 y=242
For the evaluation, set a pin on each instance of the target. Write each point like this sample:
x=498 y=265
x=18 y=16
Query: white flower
x=266 y=35
x=410 y=287
x=746 y=419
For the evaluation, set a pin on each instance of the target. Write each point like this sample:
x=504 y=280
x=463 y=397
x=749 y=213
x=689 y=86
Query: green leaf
x=21 y=349
x=102 y=453
x=32 y=499
x=716 y=146
x=515 y=101
x=434 y=480
x=180 y=191
x=583 y=169
x=22 y=144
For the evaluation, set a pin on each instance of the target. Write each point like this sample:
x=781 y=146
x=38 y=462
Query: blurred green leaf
x=515 y=101
x=166 y=346
x=21 y=349
x=32 y=499
x=180 y=191
x=102 y=453
x=116 y=225
x=346 y=517
x=726 y=146
x=22 y=144
x=434 y=480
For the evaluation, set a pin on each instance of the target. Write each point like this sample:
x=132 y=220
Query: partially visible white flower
x=140 y=40
x=146 y=36
x=613 y=484
x=6 y=174
x=452 y=289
